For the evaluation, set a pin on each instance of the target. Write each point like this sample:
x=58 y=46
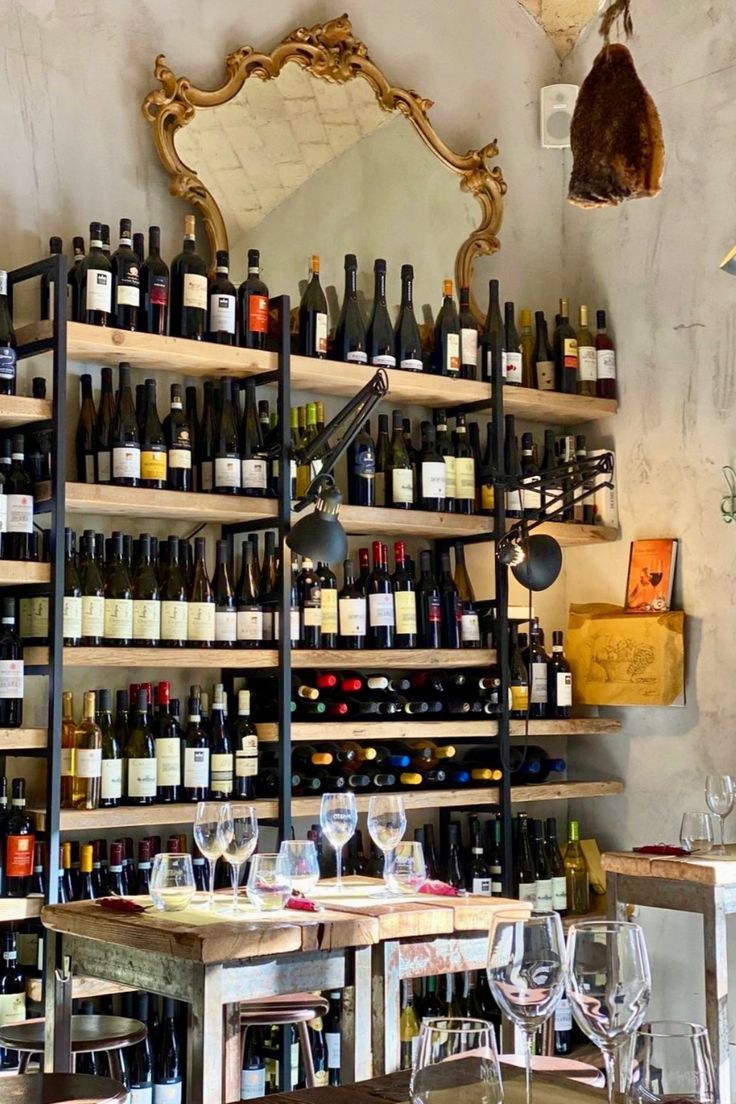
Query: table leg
x=716 y=988
x=355 y=1059
x=57 y=1008
x=206 y=1035
x=386 y=1008
x=614 y=906
x=232 y=1052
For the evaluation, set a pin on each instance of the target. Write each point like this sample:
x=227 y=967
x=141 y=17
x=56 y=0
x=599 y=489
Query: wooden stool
x=568 y=1067
x=62 y=1088
x=297 y=1009
x=89 y=1033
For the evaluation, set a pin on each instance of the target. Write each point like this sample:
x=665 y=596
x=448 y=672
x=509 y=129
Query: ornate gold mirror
x=316 y=156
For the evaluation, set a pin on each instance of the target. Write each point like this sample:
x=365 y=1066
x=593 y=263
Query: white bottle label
x=530 y=496
x=222 y=313
x=357 y=356
x=411 y=364
x=67 y=762
x=543 y=895
x=142 y=1095
x=312 y=616
x=174 y=620
x=587 y=368
x=119 y=618
x=379 y=483
x=320 y=335
x=226 y=626
x=527 y=891
x=483 y=886
x=332 y=1042
x=469 y=347
x=511 y=363
x=546 y=375
x=8 y=359
x=168 y=1094
x=168 y=761
x=381 y=610
x=227 y=472
x=72 y=617
x=434 y=479
x=402 y=483
x=563 y=1015
x=452 y=351
x=12 y=1008
x=352 y=616
x=254 y=474
x=11 y=678
x=450 y=477
x=470 y=628
x=252 y=1083
x=513 y=501
x=88 y=762
x=126 y=462
x=559 y=893
x=99 y=291
x=539 y=683
x=112 y=779
x=605 y=364
x=20 y=513
x=3 y=513
x=181 y=459
x=93 y=615
x=196 y=767
x=405 y=610
x=384 y=360
x=201 y=621
x=464 y=477
x=249 y=624
x=564 y=688
x=103 y=467
x=221 y=773
x=195 y=291
x=141 y=777
x=146 y=619
x=246 y=760
x=128 y=295
x=329 y=611
x=89 y=469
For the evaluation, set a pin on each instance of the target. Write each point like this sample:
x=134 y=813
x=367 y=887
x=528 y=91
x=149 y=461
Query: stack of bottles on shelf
x=24 y=462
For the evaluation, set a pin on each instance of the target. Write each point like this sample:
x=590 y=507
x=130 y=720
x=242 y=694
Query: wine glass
x=696 y=833
x=303 y=863
x=210 y=837
x=172 y=881
x=608 y=985
x=386 y=825
x=239 y=836
x=720 y=794
x=437 y=1078
x=338 y=818
x=269 y=882
x=671 y=1061
x=408 y=869
x=526 y=971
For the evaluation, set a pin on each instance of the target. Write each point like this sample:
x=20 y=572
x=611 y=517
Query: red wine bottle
x=126 y=282
x=153 y=316
x=381 y=614
x=253 y=306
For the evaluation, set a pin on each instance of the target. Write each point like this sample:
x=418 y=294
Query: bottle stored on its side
x=407 y=339
x=253 y=306
x=189 y=288
x=313 y=316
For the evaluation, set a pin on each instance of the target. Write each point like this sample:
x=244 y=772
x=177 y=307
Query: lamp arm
x=362 y=404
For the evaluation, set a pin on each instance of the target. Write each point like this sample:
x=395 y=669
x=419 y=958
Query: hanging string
x=617 y=9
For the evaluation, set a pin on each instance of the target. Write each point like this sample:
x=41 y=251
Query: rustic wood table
x=707 y=886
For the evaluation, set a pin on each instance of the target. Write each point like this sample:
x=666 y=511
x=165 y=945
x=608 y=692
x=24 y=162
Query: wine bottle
x=379 y=590
x=454 y=872
x=178 y=438
x=139 y=1058
x=196 y=756
x=72 y=615
x=447 y=452
x=361 y=461
x=93 y=593
x=519 y=684
x=19 y=843
x=469 y=622
x=154 y=449
x=268 y=590
x=350 y=336
x=116 y=881
x=73 y=279
x=221 y=320
x=18 y=541
x=86 y=438
x=543 y=357
x=405 y=601
x=249 y=611
x=12 y=994
x=557 y=868
x=446 y=352
x=407 y=340
x=543 y=895
x=245 y=743
x=102 y=435
x=206 y=449
x=68 y=728
x=495 y=855
x=432 y=474
x=201 y=610
x=111 y=778
x=227 y=465
x=383 y=461
x=468 y=337
x=587 y=366
x=531 y=497
x=328 y=604
x=225 y=605
x=87 y=757
x=253 y=306
x=140 y=756
x=513 y=468
x=576 y=873
x=168 y=743
x=126 y=447
x=318 y=1048
x=118 y=618
x=313 y=316
x=566 y=352
x=188 y=288
x=352 y=610
x=559 y=681
x=429 y=605
x=536 y=659
x=46 y=289
x=380 y=333
x=605 y=359
x=168 y=1060
x=493 y=332
x=479 y=875
x=464 y=469
x=11 y=668
x=95 y=282
x=222 y=758
x=126 y=281
x=409 y=1027
x=400 y=474
x=526 y=345
x=451 y=607
x=309 y=593
x=254 y=464
x=153 y=316
x=146 y=598
x=526 y=872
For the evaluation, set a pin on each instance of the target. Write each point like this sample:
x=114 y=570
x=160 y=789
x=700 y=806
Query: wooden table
x=707 y=886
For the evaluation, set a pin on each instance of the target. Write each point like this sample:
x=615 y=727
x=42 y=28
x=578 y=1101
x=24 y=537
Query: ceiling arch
x=562 y=20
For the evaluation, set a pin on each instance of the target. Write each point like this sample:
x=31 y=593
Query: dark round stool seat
x=61 y=1088
x=89 y=1033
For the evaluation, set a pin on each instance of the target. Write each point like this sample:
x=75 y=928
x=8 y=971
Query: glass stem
x=387 y=863
x=236 y=882
x=609 y=1060
x=722 y=821
x=338 y=867
x=529 y=1041
x=212 y=864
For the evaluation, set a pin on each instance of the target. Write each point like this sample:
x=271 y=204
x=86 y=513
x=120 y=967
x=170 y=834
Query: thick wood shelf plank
x=553 y=408
x=140 y=502
x=83 y=988
x=569 y=535
x=21 y=908
x=565 y=791
x=381 y=731
x=263 y=658
x=379 y=521
x=137 y=816
x=22 y=739
x=395 y=658
x=415 y=388
x=16 y=410
x=23 y=572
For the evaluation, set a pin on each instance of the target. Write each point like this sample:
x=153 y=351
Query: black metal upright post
x=284 y=522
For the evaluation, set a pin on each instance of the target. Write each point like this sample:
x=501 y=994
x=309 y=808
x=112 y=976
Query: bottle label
x=543 y=895
x=546 y=375
x=405 y=603
x=605 y=364
x=464 y=477
x=563 y=1015
x=180 y=458
x=564 y=688
x=254 y=474
x=530 y=497
x=570 y=353
x=513 y=502
x=470 y=628
x=20 y=513
x=252 y=1083
x=587 y=366
x=88 y=762
x=381 y=610
x=226 y=626
x=119 y=618
x=7 y=363
x=167 y=1094
x=539 y=683
x=312 y=616
x=11 y=678
x=205 y=475
x=221 y=773
x=402 y=483
x=379 y=483
x=67 y=762
x=258 y=313
x=249 y=624
x=146 y=619
x=19 y=856
x=112 y=779
x=357 y=356
x=39 y=610
x=153 y=463
x=3 y=513
x=12 y=1008
x=195 y=291
x=126 y=462
x=201 y=621
x=168 y=761
x=227 y=472
x=128 y=292
x=559 y=893
x=450 y=477
x=434 y=479
x=196 y=768
x=434 y=609
x=141 y=1095
x=27 y=943
x=469 y=347
x=222 y=313
x=99 y=291
x=519 y=698
x=452 y=353
x=321 y=1078
x=483 y=886
x=158 y=295
x=246 y=760
x=365 y=463
x=320 y=334
x=512 y=370
x=93 y=615
x=141 y=777
x=174 y=620
x=72 y=617
x=352 y=616
x=329 y=611
x=332 y=1042
x=527 y=891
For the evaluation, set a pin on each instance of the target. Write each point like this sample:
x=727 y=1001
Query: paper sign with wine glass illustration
x=651 y=575
x=617 y=659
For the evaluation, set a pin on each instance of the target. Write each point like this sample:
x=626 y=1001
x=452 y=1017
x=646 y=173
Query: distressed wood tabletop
x=715 y=871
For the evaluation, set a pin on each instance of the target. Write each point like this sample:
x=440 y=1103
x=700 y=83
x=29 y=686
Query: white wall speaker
x=557 y=103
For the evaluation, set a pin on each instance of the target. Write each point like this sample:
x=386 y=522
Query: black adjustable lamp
x=320 y=535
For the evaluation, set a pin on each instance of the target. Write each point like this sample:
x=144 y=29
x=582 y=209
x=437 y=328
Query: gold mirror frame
x=332 y=52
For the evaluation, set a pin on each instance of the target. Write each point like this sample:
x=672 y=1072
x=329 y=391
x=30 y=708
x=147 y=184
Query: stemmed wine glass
x=386 y=825
x=436 y=1078
x=720 y=794
x=210 y=837
x=239 y=836
x=338 y=818
x=526 y=971
x=608 y=985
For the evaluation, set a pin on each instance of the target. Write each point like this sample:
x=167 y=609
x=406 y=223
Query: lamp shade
x=320 y=535
x=541 y=565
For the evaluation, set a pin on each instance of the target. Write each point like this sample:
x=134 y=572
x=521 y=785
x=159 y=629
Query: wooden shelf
x=22 y=739
x=23 y=572
x=17 y=410
x=21 y=908
x=151 y=352
x=395 y=658
x=565 y=791
x=132 y=816
x=140 y=502
x=262 y=658
x=378 y=521
x=338 y=731
x=83 y=988
x=570 y=535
